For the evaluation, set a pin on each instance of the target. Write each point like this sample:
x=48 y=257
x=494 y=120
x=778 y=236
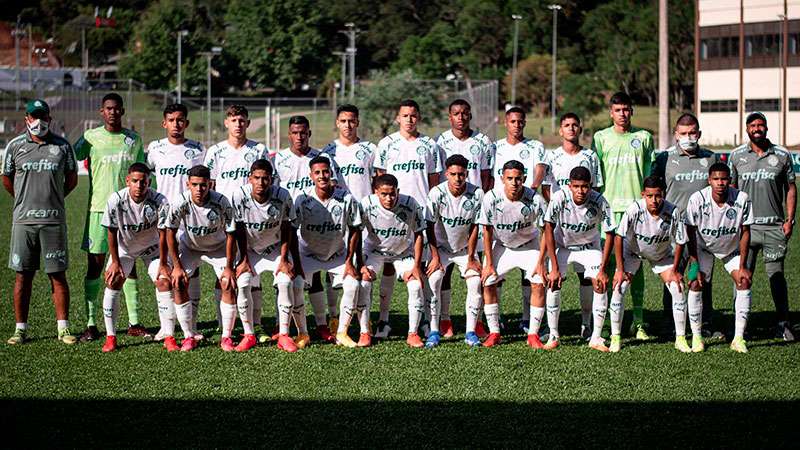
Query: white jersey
x=529 y=152
x=323 y=225
x=391 y=232
x=203 y=228
x=411 y=161
x=262 y=221
x=578 y=227
x=651 y=237
x=170 y=164
x=719 y=227
x=137 y=224
x=354 y=166
x=561 y=163
x=477 y=148
x=452 y=216
x=230 y=167
x=293 y=171
x=515 y=223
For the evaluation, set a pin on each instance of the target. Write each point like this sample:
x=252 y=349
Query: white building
x=748 y=60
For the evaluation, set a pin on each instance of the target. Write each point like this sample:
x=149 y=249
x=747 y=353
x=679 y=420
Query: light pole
x=209 y=55
x=516 y=18
x=351 y=33
x=181 y=34
x=664 y=136
x=344 y=71
x=555 y=8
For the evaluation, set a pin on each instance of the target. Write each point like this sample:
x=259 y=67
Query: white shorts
x=149 y=257
x=458 y=258
x=705 y=260
x=586 y=261
x=190 y=259
x=507 y=259
x=402 y=264
x=266 y=262
x=312 y=265
x=632 y=263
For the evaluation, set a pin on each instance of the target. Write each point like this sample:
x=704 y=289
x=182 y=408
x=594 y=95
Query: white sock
x=349 y=294
x=526 y=302
x=444 y=304
x=742 y=307
x=618 y=308
x=386 y=292
x=218 y=300
x=364 y=304
x=678 y=309
x=22 y=326
x=587 y=300
x=435 y=302
x=258 y=303
x=492 y=317
x=60 y=324
x=332 y=296
x=193 y=292
x=228 y=318
x=244 y=304
x=696 y=312
x=415 y=305
x=535 y=315
x=284 y=305
x=299 y=305
x=553 y=311
x=317 y=300
x=166 y=312
x=599 y=307
x=473 y=307
x=111 y=310
x=184 y=314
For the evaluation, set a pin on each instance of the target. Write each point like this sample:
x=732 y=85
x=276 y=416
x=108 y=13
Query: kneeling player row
x=262 y=229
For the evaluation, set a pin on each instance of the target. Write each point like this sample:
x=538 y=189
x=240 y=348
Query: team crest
x=475 y=149
x=402 y=216
x=54 y=150
x=15 y=259
x=526 y=210
x=361 y=154
x=149 y=212
x=730 y=214
x=665 y=226
x=524 y=153
x=591 y=212
x=704 y=162
x=272 y=210
x=585 y=164
x=421 y=150
x=249 y=157
x=212 y=215
x=636 y=143
x=189 y=153
x=468 y=205
x=336 y=211
x=772 y=160
x=129 y=141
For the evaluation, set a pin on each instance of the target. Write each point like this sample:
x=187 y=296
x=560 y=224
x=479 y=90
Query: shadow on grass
x=279 y=423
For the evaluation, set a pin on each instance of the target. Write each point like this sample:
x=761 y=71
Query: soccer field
x=649 y=394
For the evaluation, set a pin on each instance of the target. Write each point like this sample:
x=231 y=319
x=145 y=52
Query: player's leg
x=350 y=288
x=678 y=304
x=244 y=306
x=23 y=283
x=23 y=258
x=332 y=296
x=283 y=312
x=446 y=295
x=536 y=310
x=632 y=264
x=525 y=288
x=553 y=297
x=165 y=300
x=217 y=301
x=316 y=295
x=95 y=243
x=504 y=263
x=416 y=304
x=775 y=246
x=586 y=294
x=299 y=312
x=193 y=291
x=436 y=280
x=637 y=299
x=386 y=292
x=364 y=304
x=741 y=305
x=131 y=291
x=696 y=297
x=111 y=296
x=60 y=289
x=54 y=243
x=190 y=261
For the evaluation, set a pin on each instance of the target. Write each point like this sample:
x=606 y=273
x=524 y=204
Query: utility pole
x=663 y=76
x=555 y=8
x=344 y=72
x=181 y=34
x=209 y=55
x=516 y=18
x=351 y=33
x=30 y=56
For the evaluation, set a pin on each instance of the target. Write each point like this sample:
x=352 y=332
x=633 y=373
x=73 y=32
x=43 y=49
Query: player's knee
x=350 y=284
x=245 y=280
x=298 y=282
x=163 y=284
x=473 y=283
x=414 y=286
x=283 y=280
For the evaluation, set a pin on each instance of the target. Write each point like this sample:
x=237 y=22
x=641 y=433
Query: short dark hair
x=261 y=164
x=114 y=97
x=176 y=107
x=569 y=115
x=237 y=110
x=457 y=160
x=719 y=167
x=299 y=120
x=409 y=103
x=654 y=182
x=514 y=165
x=459 y=102
x=347 y=108
x=319 y=159
x=515 y=110
x=199 y=171
x=580 y=173
x=139 y=167
x=386 y=179
x=620 y=98
x=687 y=119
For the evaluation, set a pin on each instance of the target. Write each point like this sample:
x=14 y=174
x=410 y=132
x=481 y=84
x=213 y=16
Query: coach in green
x=39 y=171
x=764 y=171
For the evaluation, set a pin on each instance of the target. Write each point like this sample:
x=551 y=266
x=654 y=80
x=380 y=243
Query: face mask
x=687 y=143
x=38 y=128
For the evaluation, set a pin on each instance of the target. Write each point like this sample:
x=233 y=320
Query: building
x=748 y=60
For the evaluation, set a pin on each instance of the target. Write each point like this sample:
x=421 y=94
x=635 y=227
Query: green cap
x=37 y=105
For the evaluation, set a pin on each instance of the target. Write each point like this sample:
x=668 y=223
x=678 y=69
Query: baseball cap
x=35 y=106
x=755 y=115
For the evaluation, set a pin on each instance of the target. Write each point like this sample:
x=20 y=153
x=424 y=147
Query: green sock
x=90 y=290
x=131 y=291
x=637 y=297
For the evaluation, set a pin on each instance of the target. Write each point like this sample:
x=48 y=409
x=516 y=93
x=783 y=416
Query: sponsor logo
x=118 y=158
x=260 y=226
x=456 y=221
x=577 y=227
x=138 y=227
x=201 y=230
x=408 y=166
x=351 y=169
x=324 y=227
x=627 y=159
x=41 y=165
x=174 y=171
x=719 y=232
x=690 y=177
x=652 y=240
x=513 y=227
x=758 y=175
x=389 y=232
x=300 y=184
x=41 y=213
x=235 y=174
x=60 y=255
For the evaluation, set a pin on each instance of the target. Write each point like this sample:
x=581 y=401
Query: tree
x=534 y=87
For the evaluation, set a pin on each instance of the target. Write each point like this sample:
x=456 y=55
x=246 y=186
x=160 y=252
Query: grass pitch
x=389 y=395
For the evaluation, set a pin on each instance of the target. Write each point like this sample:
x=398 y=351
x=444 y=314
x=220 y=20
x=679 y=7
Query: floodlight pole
x=181 y=34
x=555 y=8
x=344 y=72
x=663 y=75
x=516 y=18
x=209 y=55
x=351 y=33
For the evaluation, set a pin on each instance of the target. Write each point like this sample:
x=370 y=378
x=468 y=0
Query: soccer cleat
x=697 y=344
x=641 y=334
x=616 y=343
x=433 y=339
x=446 y=328
x=275 y=333
x=598 y=344
x=139 y=331
x=110 y=345
x=286 y=343
x=480 y=330
x=784 y=331
x=66 y=337
x=19 y=337
x=333 y=323
x=472 y=339
x=248 y=341
x=382 y=330
x=198 y=336
x=586 y=332
x=170 y=344
x=188 y=344
x=302 y=340
x=160 y=336
x=681 y=344
x=91 y=333
x=523 y=326
x=261 y=335
x=739 y=345
x=414 y=341
x=226 y=344
x=552 y=343
x=492 y=340
x=364 y=340
x=323 y=333
x=534 y=342
x=344 y=340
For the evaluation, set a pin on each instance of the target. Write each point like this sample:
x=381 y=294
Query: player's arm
x=433 y=180
x=379 y=172
x=546 y=192
x=538 y=176
x=114 y=272
x=488 y=257
x=288 y=247
x=294 y=250
x=486 y=179
x=434 y=263
x=163 y=254
x=241 y=243
x=744 y=247
x=619 y=274
x=352 y=248
x=554 y=277
x=70 y=170
x=8 y=170
x=179 y=278
x=472 y=249
x=608 y=247
x=791 y=205
x=8 y=183
x=228 y=272
x=419 y=248
x=70 y=181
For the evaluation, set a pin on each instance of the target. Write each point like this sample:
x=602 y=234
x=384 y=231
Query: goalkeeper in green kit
x=625 y=154
x=110 y=150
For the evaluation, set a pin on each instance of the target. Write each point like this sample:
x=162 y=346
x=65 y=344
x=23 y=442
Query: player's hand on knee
x=553 y=280
x=367 y=274
x=114 y=275
x=415 y=273
x=743 y=279
x=433 y=266
x=486 y=273
x=620 y=276
x=227 y=281
x=179 y=278
x=600 y=282
x=350 y=271
x=244 y=267
x=474 y=264
x=677 y=278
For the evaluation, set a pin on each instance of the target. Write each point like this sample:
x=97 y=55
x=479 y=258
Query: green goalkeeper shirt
x=625 y=160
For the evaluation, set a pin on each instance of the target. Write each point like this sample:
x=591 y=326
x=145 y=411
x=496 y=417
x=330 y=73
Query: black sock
x=780 y=296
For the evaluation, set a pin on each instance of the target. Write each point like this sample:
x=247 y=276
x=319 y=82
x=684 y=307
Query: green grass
x=389 y=395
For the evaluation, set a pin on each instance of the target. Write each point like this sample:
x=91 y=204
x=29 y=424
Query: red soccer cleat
x=446 y=328
x=364 y=340
x=286 y=343
x=275 y=334
x=226 y=344
x=480 y=330
x=247 y=342
x=492 y=340
x=188 y=344
x=534 y=342
x=170 y=344
x=414 y=341
x=110 y=345
x=323 y=333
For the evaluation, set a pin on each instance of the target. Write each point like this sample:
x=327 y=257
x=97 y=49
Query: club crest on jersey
x=636 y=143
x=249 y=157
x=468 y=205
x=524 y=153
x=336 y=211
x=665 y=226
x=704 y=162
x=475 y=149
x=591 y=212
x=730 y=214
x=54 y=150
x=526 y=210
x=149 y=212
x=190 y=153
x=772 y=160
x=15 y=259
x=212 y=215
x=361 y=154
x=402 y=216
x=272 y=210
x=421 y=150
x=585 y=164
x=129 y=141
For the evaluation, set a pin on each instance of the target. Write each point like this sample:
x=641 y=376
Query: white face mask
x=38 y=127
x=687 y=143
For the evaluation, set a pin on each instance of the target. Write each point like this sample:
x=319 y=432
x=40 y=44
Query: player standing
x=110 y=149
x=625 y=154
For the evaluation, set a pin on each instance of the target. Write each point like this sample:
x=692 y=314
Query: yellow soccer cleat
x=697 y=344
x=302 y=340
x=739 y=345
x=616 y=344
x=344 y=340
x=681 y=345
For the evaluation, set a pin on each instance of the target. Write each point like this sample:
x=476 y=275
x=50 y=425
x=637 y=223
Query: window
x=724 y=47
x=718 y=106
x=794 y=104
x=762 y=104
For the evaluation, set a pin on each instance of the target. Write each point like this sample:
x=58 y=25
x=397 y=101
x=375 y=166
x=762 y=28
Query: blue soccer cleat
x=472 y=339
x=433 y=339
